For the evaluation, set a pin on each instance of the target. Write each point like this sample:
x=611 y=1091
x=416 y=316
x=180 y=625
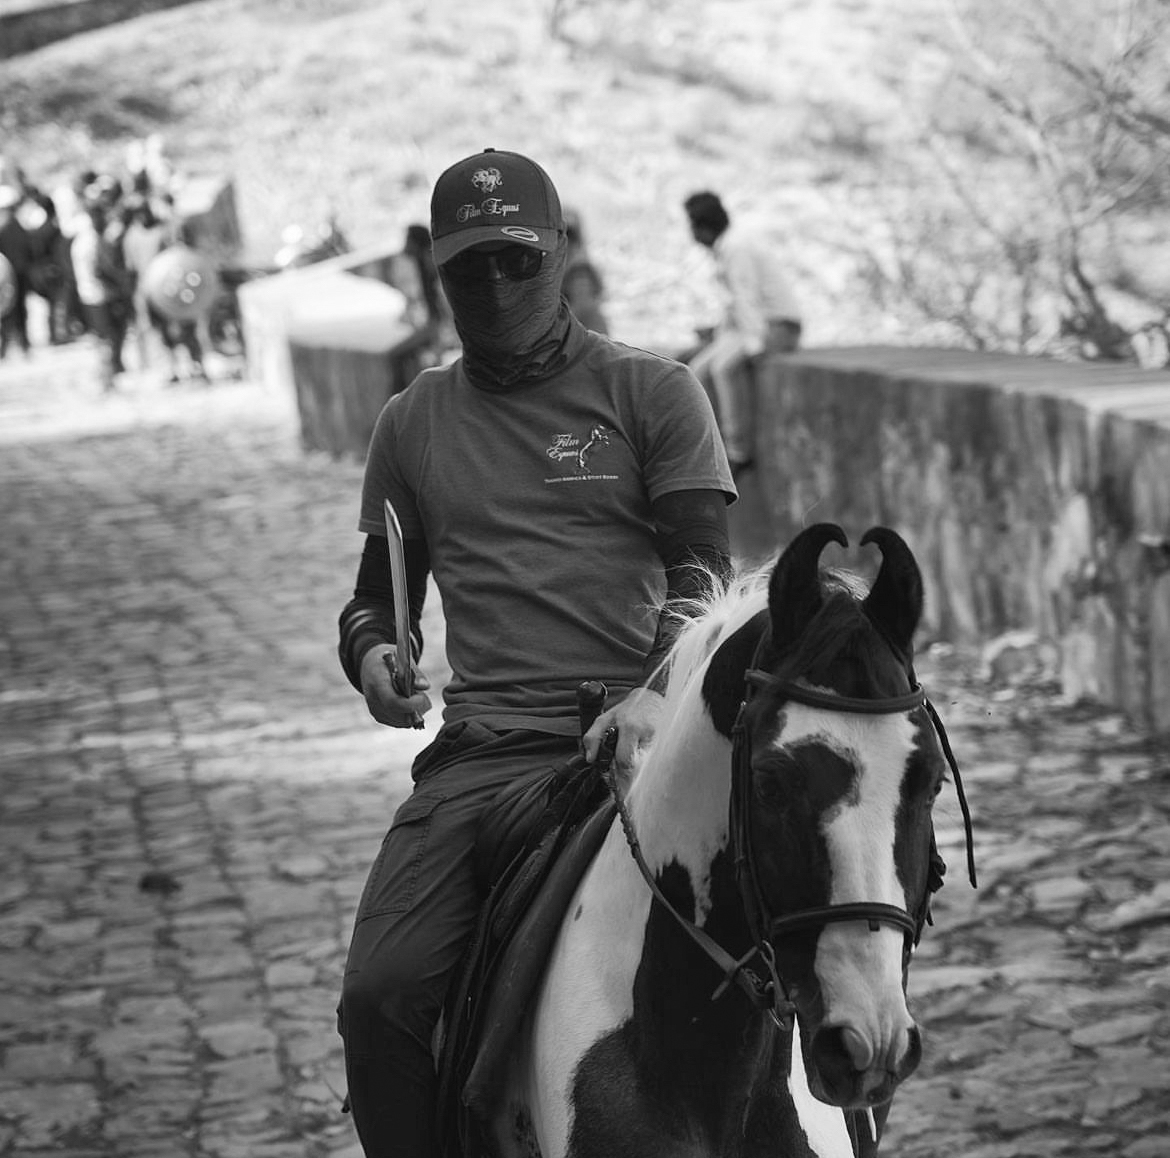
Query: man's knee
x=388 y=995
x=381 y=994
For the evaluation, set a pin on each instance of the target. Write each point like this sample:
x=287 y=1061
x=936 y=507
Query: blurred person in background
x=760 y=317
x=583 y=287
x=436 y=330
x=16 y=246
x=104 y=285
x=67 y=203
x=52 y=276
x=145 y=238
x=151 y=231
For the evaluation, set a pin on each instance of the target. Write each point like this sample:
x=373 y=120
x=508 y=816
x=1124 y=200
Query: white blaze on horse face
x=860 y=971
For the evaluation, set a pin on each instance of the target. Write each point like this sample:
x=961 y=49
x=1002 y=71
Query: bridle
x=769 y=993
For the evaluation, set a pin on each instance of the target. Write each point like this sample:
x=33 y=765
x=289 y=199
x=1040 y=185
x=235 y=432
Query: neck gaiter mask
x=513 y=332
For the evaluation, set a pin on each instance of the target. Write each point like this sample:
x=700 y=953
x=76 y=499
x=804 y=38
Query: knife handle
x=401 y=684
x=416 y=721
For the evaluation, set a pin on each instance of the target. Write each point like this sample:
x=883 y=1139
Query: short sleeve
x=682 y=447
x=386 y=477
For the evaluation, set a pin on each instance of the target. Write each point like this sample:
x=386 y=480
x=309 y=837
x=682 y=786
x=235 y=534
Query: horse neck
x=678 y=802
x=718 y=1056
x=678 y=809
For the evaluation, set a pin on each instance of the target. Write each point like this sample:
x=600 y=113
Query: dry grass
x=354 y=107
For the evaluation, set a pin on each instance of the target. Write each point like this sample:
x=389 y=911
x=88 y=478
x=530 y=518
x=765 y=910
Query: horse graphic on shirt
x=598 y=436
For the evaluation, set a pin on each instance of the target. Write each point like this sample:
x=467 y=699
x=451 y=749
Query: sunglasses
x=514 y=262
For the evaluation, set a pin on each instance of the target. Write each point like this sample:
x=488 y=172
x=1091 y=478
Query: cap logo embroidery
x=487 y=180
x=496 y=207
x=466 y=213
x=520 y=233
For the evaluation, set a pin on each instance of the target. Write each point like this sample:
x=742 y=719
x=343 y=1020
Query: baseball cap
x=494 y=196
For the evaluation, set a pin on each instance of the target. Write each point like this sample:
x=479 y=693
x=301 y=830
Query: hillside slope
x=353 y=106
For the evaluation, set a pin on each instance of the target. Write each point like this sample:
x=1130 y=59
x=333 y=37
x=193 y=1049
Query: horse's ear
x=894 y=602
x=794 y=591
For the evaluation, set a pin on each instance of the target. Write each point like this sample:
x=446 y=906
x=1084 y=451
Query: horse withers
x=730 y=975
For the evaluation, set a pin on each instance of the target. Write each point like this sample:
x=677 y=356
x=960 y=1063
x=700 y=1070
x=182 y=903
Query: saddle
x=539 y=837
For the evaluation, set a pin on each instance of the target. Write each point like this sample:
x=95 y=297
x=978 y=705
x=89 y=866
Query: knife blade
x=402 y=672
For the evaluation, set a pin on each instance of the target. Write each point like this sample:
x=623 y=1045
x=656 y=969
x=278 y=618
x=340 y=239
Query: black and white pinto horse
x=736 y=988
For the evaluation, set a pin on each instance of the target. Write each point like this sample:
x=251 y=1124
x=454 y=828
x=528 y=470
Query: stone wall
x=28 y=29
x=1035 y=494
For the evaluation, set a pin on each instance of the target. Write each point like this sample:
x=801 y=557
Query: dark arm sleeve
x=368 y=618
x=691 y=530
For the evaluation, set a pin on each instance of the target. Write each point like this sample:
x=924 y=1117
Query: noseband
x=770 y=994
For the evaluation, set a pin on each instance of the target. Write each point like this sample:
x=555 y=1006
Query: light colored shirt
x=84 y=253
x=753 y=279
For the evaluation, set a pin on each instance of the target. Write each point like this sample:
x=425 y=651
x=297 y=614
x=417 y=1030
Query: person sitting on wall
x=761 y=316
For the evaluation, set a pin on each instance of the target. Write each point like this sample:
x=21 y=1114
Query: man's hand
x=636 y=720
x=384 y=702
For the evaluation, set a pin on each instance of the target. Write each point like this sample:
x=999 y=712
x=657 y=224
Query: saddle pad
x=522 y=965
x=514 y=938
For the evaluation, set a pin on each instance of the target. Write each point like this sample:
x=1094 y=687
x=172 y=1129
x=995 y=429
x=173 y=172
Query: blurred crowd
x=85 y=247
x=111 y=258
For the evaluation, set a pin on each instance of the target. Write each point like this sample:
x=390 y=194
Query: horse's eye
x=773 y=776
x=766 y=785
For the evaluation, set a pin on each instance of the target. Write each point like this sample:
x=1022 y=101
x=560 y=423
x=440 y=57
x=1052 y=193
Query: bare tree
x=1047 y=140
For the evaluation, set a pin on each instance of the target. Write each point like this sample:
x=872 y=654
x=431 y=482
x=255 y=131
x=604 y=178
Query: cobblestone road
x=171 y=571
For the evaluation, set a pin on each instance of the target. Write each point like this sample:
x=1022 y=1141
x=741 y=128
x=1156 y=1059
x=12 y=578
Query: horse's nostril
x=913 y=1055
x=857 y=1048
x=841 y=1050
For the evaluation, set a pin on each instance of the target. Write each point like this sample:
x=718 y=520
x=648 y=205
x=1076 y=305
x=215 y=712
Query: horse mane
x=705 y=623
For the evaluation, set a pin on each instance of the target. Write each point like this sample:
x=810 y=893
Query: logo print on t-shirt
x=579 y=451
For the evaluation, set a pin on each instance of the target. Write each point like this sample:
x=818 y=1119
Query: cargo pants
x=415 y=917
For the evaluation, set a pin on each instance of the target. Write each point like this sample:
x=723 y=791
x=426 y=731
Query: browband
x=833 y=702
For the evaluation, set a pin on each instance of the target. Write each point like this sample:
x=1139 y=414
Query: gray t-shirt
x=535 y=505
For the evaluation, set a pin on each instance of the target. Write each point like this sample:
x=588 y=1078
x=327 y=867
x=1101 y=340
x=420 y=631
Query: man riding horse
x=548 y=576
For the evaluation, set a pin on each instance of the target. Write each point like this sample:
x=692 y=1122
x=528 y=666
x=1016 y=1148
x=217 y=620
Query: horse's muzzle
x=850 y=1071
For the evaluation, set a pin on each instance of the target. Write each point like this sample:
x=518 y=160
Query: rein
x=769 y=994
x=761 y=993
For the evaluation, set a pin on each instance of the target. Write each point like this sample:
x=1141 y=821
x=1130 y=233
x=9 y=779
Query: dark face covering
x=513 y=332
